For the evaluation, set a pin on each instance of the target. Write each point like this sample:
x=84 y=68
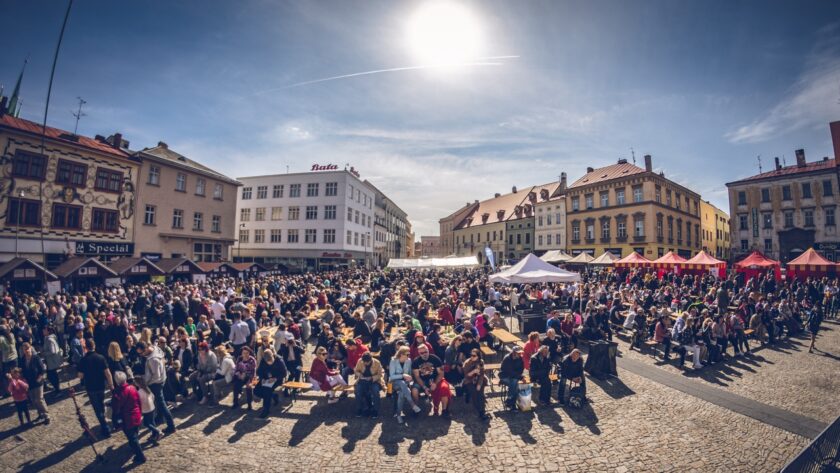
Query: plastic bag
x=524 y=399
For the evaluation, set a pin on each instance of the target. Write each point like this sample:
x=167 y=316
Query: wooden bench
x=294 y=387
x=487 y=351
x=652 y=344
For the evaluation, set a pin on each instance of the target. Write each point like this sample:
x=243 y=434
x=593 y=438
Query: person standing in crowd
x=814 y=321
x=239 y=333
x=17 y=387
x=52 y=358
x=94 y=373
x=155 y=376
x=126 y=405
x=33 y=371
x=147 y=408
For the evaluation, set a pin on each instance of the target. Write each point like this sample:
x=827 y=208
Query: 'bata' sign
x=324 y=167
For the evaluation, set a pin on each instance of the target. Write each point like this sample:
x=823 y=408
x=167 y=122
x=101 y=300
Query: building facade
x=390 y=225
x=550 y=230
x=448 y=224
x=789 y=209
x=505 y=224
x=714 y=230
x=430 y=247
x=622 y=208
x=305 y=221
x=184 y=209
x=77 y=197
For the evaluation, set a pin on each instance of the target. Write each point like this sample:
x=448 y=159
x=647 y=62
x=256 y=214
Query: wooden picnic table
x=316 y=314
x=487 y=351
x=504 y=336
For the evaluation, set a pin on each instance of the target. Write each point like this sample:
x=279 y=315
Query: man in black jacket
x=572 y=369
x=540 y=369
x=511 y=373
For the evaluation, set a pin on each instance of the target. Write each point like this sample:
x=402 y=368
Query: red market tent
x=668 y=260
x=757 y=264
x=633 y=260
x=810 y=263
x=702 y=262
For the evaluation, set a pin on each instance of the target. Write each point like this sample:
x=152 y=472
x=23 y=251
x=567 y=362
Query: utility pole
x=79 y=114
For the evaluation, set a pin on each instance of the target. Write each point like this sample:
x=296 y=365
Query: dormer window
x=484 y=217
x=500 y=214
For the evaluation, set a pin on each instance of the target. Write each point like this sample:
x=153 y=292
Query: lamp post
x=367 y=242
x=239 y=250
x=19 y=218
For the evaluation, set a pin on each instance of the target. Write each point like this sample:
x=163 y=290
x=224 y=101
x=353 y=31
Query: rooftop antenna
x=759 y=163
x=783 y=161
x=79 y=114
x=287 y=169
x=633 y=153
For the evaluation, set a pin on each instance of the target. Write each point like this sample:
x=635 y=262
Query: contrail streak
x=484 y=61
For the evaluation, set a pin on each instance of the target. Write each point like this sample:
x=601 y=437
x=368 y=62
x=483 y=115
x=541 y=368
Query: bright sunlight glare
x=445 y=34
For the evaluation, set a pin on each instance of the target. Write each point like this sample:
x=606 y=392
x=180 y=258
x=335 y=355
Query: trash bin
x=601 y=359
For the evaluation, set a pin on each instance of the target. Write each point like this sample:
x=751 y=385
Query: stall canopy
x=531 y=269
x=172 y=266
x=668 y=260
x=633 y=260
x=216 y=269
x=703 y=262
x=448 y=262
x=810 y=263
x=606 y=259
x=249 y=267
x=756 y=264
x=23 y=274
x=131 y=267
x=583 y=258
x=555 y=256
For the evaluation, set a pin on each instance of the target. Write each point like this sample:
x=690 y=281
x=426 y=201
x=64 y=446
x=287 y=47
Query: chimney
x=514 y=189
x=648 y=163
x=562 y=181
x=835 y=138
x=497 y=195
x=800 y=158
x=778 y=164
x=163 y=145
x=117 y=140
x=589 y=169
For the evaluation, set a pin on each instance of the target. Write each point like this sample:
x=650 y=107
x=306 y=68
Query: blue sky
x=704 y=87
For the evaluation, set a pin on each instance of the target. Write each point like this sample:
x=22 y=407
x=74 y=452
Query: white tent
x=448 y=262
x=533 y=270
x=606 y=259
x=582 y=258
x=555 y=256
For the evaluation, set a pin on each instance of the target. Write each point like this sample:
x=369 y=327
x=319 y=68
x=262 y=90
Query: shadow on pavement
x=58 y=456
x=613 y=386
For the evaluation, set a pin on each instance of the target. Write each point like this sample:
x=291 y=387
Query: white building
x=305 y=221
x=550 y=225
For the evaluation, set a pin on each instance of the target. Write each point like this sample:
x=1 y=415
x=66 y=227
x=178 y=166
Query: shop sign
x=104 y=248
x=324 y=167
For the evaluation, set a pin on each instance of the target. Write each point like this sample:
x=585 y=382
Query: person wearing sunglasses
x=322 y=377
x=475 y=381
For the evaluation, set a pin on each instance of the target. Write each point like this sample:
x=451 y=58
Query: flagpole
x=44 y=131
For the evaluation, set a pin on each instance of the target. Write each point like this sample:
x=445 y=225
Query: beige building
x=714 y=230
x=77 y=198
x=623 y=208
x=789 y=209
x=184 y=209
x=550 y=222
x=430 y=247
x=448 y=224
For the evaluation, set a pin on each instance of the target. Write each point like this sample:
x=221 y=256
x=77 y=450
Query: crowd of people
x=417 y=335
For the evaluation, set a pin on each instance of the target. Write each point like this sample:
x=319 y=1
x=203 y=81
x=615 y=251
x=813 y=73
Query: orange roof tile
x=607 y=173
x=507 y=204
x=787 y=171
x=60 y=135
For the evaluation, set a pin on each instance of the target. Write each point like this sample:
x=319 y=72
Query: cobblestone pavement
x=632 y=424
x=785 y=376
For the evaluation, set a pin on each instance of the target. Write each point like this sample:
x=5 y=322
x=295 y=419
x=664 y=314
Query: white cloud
x=812 y=100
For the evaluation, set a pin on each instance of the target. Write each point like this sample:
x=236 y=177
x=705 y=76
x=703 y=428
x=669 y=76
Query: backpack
x=576 y=398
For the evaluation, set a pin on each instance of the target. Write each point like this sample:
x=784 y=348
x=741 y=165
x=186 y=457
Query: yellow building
x=623 y=208
x=714 y=230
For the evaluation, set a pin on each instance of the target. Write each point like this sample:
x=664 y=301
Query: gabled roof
x=507 y=203
x=810 y=258
x=607 y=173
x=15 y=263
x=634 y=259
x=56 y=134
x=581 y=258
x=792 y=170
x=209 y=267
x=67 y=268
x=703 y=259
x=605 y=259
x=124 y=265
x=247 y=266
x=162 y=153
x=168 y=265
x=668 y=259
x=756 y=260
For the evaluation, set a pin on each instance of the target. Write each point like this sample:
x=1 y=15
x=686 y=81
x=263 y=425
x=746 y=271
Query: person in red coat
x=125 y=403
x=355 y=350
x=419 y=340
x=322 y=377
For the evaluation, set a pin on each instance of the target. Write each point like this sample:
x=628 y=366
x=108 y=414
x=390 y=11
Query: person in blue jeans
x=368 y=374
x=511 y=373
x=155 y=377
x=95 y=376
x=399 y=373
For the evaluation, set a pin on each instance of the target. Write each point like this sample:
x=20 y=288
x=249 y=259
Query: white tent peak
x=531 y=269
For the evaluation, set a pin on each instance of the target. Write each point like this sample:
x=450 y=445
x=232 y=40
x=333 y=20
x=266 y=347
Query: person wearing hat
x=511 y=373
x=368 y=372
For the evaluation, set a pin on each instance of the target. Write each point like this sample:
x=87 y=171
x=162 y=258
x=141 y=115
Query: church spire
x=13 y=107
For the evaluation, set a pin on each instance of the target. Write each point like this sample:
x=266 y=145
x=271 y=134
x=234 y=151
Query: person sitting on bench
x=572 y=369
x=511 y=373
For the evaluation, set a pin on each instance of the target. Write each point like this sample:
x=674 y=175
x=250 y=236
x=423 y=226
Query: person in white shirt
x=147 y=407
x=239 y=333
x=224 y=374
x=217 y=309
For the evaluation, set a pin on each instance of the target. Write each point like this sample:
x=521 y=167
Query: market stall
x=181 y=269
x=581 y=259
x=703 y=263
x=80 y=274
x=135 y=270
x=556 y=256
x=25 y=275
x=448 y=262
x=633 y=260
x=667 y=263
x=810 y=264
x=606 y=259
x=756 y=264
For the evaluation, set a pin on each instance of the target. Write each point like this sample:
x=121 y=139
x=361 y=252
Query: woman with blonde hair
x=116 y=360
x=399 y=374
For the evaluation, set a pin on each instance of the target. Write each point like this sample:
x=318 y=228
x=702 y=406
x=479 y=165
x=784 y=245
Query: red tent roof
x=703 y=259
x=810 y=258
x=668 y=259
x=633 y=259
x=756 y=260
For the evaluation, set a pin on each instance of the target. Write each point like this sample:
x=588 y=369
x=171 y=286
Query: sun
x=444 y=33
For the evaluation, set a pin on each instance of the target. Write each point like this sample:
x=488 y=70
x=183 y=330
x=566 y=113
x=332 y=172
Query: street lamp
x=19 y=218
x=239 y=251
x=367 y=242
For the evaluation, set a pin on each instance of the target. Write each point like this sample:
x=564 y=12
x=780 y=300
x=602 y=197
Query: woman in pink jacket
x=126 y=403
x=322 y=377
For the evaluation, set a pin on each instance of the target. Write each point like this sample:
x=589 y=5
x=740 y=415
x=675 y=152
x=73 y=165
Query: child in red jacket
x=20 y=393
